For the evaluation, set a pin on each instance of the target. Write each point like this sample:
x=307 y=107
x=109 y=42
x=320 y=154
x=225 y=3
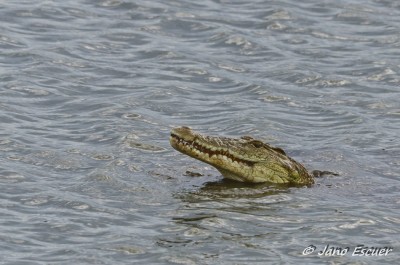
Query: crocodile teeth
x=209 y=151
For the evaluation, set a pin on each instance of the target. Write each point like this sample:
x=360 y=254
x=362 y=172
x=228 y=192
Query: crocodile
x=243 y=159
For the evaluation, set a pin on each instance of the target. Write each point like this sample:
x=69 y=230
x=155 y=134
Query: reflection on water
x=90 y=90
x=227 y=189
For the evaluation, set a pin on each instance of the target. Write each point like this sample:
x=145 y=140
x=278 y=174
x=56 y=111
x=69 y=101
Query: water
x=90 y=90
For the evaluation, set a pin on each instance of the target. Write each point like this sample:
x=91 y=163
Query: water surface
x=90 y=89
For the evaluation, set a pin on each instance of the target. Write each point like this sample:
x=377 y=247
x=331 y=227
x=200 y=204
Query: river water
x=89 y=91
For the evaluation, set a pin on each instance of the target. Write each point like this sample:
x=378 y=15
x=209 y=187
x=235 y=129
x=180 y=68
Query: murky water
x=90 y=89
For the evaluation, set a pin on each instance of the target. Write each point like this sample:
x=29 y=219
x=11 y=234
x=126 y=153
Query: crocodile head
x=244 y=159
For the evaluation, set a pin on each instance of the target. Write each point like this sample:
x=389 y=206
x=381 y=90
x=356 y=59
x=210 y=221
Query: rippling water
x=90 y=90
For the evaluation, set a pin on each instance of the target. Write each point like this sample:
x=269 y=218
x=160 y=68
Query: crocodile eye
x=257 y=144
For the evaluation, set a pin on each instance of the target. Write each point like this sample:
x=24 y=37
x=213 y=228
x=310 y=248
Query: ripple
x=239 y=41
x=130 y=250
x=7 y=42
x=132 y=141
x=332 y=83
x=383 y=75
x=357 y=224
x=102 y=157
x=232 y=68
x=145 y=147
x=91 y=89
x=81 y=207
x=36 y=201
x=11 y=177
x=31 y=91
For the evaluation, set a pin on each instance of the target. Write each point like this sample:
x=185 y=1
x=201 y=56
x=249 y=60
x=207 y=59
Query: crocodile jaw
x=239 y=159
x=219 y=160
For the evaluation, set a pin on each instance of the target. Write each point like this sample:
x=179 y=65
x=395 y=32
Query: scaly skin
x=245 y=159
